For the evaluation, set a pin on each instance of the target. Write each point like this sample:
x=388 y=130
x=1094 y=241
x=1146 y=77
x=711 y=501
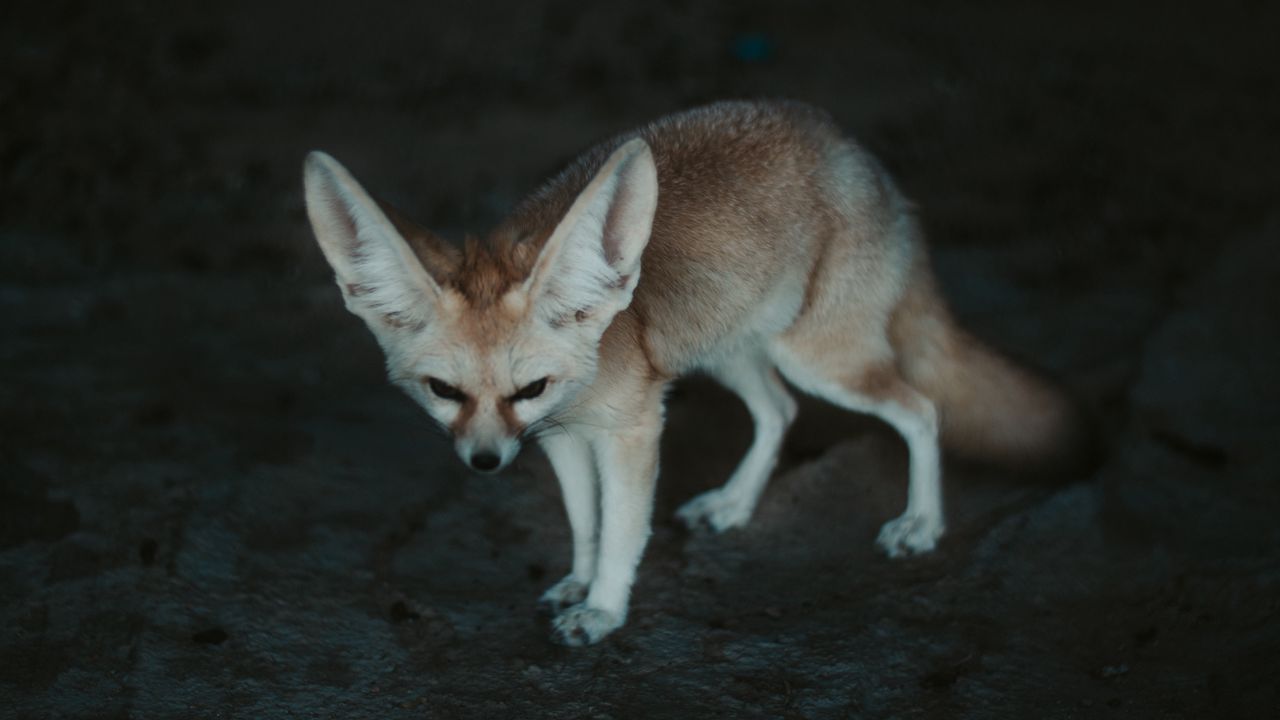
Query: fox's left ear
x=590 y=265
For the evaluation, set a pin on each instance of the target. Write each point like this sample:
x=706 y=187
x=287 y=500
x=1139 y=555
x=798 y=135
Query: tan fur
x=764 y=243
x=488 y=270
x=702 y=249
x=706 y=266
x=509 y=419
x=463 y=417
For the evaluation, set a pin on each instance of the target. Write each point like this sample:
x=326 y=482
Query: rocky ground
x=214 y=506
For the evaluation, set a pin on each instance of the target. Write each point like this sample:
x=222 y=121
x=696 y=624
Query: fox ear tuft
x=590 y=265
x=368 y=246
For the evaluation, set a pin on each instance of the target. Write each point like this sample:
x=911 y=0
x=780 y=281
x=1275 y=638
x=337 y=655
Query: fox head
x=494 y=348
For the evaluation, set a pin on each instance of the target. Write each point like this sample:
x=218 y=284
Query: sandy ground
x=214 y=506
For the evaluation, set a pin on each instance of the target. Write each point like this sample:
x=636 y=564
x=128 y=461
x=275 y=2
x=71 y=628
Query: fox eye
x=444 y=390
x=530 y=391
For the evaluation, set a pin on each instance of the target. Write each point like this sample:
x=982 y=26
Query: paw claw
x=580 y=625
x=717 y=509
x=910 y=535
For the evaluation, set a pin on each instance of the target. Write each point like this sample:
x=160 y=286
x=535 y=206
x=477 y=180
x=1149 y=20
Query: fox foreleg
x=628 y=467
x=571 y=458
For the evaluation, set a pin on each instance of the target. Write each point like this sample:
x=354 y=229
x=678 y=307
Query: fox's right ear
x=381 y=278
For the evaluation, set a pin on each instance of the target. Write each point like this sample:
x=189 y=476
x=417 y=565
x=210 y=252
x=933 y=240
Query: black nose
x=484 y=461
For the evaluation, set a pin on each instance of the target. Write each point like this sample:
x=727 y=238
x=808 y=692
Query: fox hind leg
x=873 y=385
x=752 y=377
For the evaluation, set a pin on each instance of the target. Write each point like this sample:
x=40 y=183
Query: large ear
x=591 y=263
x=381 y=279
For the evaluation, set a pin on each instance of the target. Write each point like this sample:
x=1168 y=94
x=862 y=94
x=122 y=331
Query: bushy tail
x=990 y=407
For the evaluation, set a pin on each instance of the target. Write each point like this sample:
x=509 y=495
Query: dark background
x=214 y=506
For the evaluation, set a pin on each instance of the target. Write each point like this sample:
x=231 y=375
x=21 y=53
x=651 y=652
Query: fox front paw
x=718 y=509
x=581 y=625
x=910 y=535
x=568 y=592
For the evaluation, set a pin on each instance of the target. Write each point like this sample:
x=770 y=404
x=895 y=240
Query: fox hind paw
x=910 y=535
x=568 y=592
x=718 y=509
x=581 y=625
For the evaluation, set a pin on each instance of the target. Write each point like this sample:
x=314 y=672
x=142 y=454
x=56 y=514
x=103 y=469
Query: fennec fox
x=746 y=240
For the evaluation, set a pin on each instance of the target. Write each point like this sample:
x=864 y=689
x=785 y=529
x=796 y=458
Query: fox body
x=745 y=240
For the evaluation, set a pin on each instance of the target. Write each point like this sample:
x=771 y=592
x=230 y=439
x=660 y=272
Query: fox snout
x=485 y=442
x=488 y=456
